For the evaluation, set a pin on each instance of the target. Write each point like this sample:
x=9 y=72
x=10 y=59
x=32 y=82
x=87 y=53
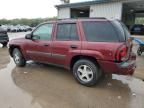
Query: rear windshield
x=100 y=31
x=126 y=31
x=122 y=30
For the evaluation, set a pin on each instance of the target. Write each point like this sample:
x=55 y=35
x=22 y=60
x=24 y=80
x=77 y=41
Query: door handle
x=74 y=46
x=46 y=45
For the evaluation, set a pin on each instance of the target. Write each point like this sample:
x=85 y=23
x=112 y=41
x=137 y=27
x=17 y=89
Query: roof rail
x=97 y=18
x=83 y=18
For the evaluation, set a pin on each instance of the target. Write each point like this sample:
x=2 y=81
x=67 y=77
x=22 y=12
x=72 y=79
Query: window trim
x=61 y=23
x=42 y=25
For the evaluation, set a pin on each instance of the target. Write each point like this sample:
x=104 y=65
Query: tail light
x=122 y=53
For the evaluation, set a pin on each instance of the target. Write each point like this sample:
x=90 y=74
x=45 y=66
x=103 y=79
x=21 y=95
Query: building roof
x=81 y=4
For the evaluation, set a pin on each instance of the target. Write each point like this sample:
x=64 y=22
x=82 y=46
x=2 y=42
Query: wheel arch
x=12 y=47
x=78 y=57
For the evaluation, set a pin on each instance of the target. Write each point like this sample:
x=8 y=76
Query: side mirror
x=28 y=36
x=35 y=37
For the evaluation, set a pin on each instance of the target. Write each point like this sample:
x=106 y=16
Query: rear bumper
x=123 y=68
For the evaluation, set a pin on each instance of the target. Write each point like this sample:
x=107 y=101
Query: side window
x=43 y=32
x=100 y=31
x=74 y=32
x=67 y=32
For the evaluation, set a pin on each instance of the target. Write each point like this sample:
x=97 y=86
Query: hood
x=17 y=41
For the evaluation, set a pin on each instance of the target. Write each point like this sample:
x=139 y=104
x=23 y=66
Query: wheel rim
x=85 y=73
x=16 y=58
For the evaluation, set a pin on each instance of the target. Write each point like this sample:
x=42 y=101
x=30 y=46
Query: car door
x=39 y=47
x=66 y=43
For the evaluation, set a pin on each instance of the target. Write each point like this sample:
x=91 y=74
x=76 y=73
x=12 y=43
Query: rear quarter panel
x=100 y=50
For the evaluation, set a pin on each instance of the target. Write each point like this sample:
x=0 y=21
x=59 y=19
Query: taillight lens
x=122 y=53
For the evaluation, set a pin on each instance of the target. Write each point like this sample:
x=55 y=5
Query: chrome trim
x=38 y=53
x=54 y=55
x=60 y=56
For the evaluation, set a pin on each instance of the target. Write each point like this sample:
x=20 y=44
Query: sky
x=11 y=9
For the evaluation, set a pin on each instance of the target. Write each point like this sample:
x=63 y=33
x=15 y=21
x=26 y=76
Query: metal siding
x=107 y=10
x=64 y=13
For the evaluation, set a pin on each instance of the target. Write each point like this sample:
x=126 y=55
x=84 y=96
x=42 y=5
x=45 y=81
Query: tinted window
x=126 y=31
x=43 y=32
x=119 y=29
x=67 y=32
x=100 y=31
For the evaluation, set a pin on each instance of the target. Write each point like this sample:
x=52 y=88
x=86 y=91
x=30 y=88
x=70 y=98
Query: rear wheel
x=139 y=52
x=4 y=44
x=18 y=58
x=86 y=72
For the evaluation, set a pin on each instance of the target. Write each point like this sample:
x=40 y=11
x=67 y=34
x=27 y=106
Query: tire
x=18 y=58
x=139 y=52
x=84 y=77
x=4 y=44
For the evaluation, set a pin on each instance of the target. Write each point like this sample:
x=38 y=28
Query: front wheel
x=86 y=72
x=18 y=58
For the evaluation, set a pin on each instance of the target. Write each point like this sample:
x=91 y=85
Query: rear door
x=66 y=43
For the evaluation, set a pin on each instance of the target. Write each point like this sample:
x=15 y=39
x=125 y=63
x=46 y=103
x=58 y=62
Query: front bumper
x=123 y=68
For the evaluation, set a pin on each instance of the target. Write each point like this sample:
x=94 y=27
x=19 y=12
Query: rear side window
x=67 y=32
x=101 y=31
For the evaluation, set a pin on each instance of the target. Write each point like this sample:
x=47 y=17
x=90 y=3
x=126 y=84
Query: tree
x=24 y=21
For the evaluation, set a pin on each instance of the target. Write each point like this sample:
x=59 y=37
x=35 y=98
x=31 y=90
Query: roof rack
x=83 y=18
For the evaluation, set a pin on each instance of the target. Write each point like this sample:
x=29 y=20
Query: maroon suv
x=87 y=47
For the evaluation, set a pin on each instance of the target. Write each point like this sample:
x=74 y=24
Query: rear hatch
x=124 y=51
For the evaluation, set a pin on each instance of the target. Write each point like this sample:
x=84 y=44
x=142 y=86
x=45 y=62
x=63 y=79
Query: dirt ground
x=44 y=86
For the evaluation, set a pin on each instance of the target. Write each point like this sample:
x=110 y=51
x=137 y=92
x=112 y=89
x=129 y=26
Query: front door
x=39 y=47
